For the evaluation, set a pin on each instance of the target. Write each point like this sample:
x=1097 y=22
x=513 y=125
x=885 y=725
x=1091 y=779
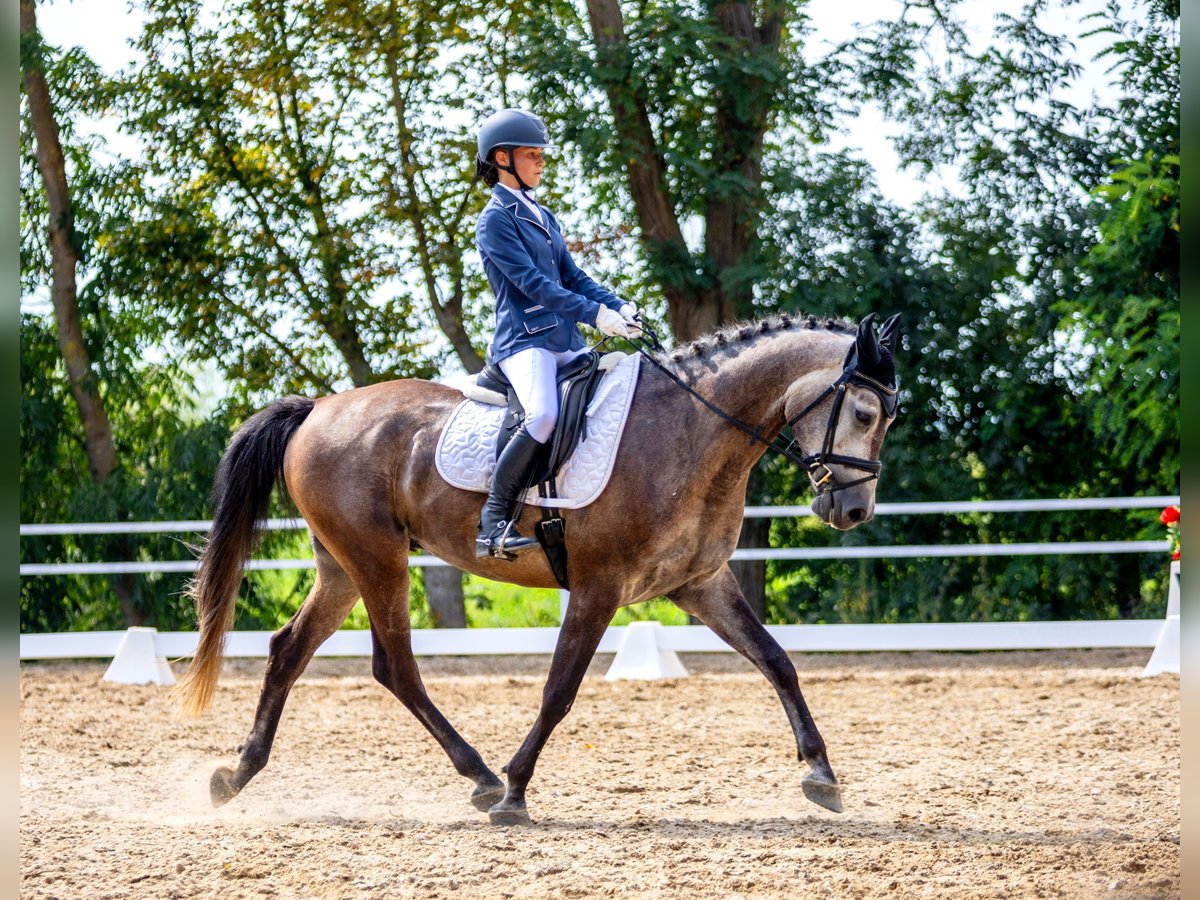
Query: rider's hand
x=633 y=318
x=611 y=323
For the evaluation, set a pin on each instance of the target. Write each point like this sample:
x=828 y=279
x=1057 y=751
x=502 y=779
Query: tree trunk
x=744 y=97
x=700 y=294
x=449 y=314
x=444 y=590
x=97 y=434
x=702 y=314
x=64 y=257
x=123 y=586
x=667 y=252
x=336 y=315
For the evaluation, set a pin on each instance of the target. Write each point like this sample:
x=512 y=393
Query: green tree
x=1127 y=311
x=263 y=232
x=277 y=240
x=161 y=448
x=253 y=242
x=996 y=402
x=57 y=256
x=1129 y=314
x=673 y=109
x=168 y=454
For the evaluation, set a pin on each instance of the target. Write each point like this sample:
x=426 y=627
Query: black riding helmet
x=507 y=130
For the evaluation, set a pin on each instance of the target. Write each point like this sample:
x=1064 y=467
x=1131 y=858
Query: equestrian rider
x=541 y=296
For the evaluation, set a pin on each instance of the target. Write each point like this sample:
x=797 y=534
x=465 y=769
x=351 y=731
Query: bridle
x=815 y=464
x=818 y=463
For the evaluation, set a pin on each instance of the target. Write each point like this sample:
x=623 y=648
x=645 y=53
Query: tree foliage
x=672 y=108
x=1002 y=398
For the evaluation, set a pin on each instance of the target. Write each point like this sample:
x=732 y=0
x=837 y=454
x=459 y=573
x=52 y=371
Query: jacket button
x=548 y=241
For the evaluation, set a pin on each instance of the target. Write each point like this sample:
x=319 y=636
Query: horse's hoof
x=504 y=815
x=220 y=787
x=822 y=793
x=485 y=796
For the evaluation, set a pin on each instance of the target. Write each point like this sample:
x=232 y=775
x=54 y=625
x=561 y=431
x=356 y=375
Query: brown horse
x=359 y=467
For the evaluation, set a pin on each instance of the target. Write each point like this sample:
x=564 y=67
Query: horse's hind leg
x=720 y=605
x=395 y=667
x=324 y=609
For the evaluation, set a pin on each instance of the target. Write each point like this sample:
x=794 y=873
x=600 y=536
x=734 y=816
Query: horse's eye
x=863 y=416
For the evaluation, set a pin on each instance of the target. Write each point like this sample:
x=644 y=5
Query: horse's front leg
x=587 y=617
x=718 y=603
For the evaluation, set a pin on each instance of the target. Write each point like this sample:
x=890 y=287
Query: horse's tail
x=250 y=468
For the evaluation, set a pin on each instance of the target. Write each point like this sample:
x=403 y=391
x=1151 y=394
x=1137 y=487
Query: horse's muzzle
x=843 y=510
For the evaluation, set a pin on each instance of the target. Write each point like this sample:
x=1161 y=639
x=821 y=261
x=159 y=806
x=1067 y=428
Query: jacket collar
x=509 y=200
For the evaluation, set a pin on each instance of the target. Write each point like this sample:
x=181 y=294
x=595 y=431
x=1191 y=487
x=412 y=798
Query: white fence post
x=1165 y=657
x=137 y=660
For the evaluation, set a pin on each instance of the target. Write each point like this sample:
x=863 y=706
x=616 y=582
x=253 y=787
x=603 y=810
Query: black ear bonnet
x=874 y=358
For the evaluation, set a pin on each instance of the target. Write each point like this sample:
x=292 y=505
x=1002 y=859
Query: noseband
x=815 y=464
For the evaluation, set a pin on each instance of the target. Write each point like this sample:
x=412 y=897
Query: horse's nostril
x=857 y=514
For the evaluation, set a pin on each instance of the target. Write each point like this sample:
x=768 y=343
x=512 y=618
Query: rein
x=815 y=464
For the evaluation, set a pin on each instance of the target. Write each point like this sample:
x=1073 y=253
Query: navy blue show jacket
x=541 y=294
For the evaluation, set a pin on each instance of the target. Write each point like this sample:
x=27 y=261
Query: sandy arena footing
x=1050 y=774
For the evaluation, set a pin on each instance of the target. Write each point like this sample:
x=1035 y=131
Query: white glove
x=611 y=323
x=632 y=316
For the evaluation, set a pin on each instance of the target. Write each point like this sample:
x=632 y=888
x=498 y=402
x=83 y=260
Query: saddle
x=577 y=382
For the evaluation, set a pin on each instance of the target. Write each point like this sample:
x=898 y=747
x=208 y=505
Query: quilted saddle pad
x=466 y=450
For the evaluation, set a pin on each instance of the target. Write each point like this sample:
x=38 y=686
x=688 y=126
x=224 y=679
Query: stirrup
x=502 y=543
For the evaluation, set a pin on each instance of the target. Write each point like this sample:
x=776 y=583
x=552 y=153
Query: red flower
x=1175 y=555
x=1170 y=515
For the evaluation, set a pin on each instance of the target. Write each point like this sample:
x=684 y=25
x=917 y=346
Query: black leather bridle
x=818 y=463
x=815 y=464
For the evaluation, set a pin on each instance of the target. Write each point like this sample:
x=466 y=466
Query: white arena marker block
x=137 y=661
x=1166 y=652
x=638 y=657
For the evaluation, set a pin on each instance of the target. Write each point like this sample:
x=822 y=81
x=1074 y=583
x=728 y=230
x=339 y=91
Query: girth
x=577 y=383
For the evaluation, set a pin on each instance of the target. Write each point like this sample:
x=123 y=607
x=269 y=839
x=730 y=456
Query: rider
x=541 y=296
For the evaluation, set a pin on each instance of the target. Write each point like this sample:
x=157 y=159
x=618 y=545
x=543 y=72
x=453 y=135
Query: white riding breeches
x=532 y=374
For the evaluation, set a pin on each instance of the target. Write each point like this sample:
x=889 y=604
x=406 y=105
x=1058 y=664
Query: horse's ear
x=890 y=334
x=865 y=344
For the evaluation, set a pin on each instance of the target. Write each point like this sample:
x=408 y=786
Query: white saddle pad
x=466 y=451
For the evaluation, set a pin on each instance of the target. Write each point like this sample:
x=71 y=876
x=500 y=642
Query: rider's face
x=529 y=161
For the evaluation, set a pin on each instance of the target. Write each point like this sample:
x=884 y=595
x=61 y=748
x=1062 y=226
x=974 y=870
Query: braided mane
x=732 y=337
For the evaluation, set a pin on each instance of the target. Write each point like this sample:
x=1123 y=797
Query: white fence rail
x=751 y=512
x=676 y=638
x=802 y=638
x=865 y=552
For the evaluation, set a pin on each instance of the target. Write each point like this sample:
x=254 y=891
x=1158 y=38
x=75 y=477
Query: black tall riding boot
x=497 y=535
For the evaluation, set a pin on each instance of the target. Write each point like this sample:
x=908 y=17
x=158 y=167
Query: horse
x=359 y=468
